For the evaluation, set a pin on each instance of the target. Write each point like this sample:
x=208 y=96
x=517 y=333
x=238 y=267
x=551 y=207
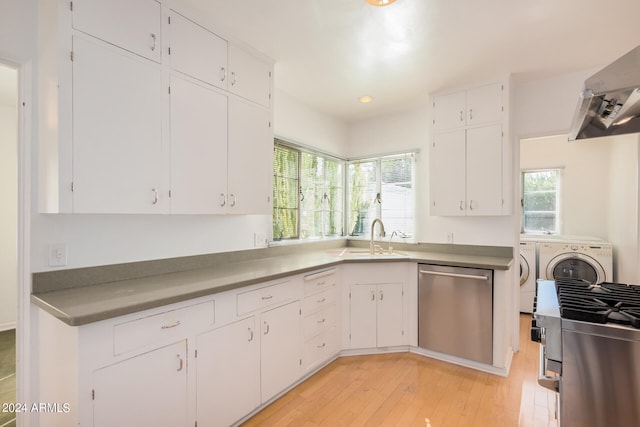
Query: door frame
x=26 y=384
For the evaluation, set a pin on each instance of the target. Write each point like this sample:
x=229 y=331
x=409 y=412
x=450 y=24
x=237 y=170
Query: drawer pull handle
x=250 y=334
x=323 y=345
x=373 y=296
x=180 y=363
x=381 y=295
x=267 y=297
x=173 y=325
x=322 y=283
x=321 y=300
x=322 y=320
x=266 y=328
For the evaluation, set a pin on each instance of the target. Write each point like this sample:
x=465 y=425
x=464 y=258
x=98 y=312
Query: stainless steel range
x=590 y=350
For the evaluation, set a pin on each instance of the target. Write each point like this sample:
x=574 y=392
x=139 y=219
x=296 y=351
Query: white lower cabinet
x=280 y=349
x=145 y=390
x=377 y=315
x=228 y=373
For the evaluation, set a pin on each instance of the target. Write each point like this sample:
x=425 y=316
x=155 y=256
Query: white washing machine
x=591 y=260
x=528 y=275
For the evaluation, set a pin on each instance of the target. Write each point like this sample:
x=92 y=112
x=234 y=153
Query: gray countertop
x=89 y=299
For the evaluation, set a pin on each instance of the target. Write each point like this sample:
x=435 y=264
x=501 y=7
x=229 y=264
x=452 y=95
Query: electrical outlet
x=450 y=237
x=259 y=239
x=58 y=255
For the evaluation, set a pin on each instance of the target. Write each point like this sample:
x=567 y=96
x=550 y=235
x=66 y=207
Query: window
x=382 y=188
x=541 y=201
x=308 y=193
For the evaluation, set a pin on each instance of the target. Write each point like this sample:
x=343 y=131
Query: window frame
x=558 y=204
x=379 y=196
x=302 y=150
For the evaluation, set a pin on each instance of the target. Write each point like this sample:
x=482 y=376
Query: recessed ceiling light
x=380 y=2
x=365 y=99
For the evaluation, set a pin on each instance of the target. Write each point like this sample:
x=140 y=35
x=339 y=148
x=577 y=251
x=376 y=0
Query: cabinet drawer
x=319 y=281
x=315 y=302
x=320 y=348
x=160 y=327
x=317 y=322
x=265 y=297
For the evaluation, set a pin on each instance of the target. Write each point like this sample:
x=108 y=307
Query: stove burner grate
x=602 y=303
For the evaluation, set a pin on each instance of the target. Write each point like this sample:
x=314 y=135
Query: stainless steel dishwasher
x=455 y=311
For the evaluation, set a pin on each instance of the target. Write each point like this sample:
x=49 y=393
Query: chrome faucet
x=373 y=247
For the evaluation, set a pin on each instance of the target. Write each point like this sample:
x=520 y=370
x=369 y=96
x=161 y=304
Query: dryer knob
x=574 y=247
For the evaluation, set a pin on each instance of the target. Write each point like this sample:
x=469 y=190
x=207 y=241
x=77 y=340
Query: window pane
x=398 y=198
x=540 y=202
x=362 y=195
x=285 y=192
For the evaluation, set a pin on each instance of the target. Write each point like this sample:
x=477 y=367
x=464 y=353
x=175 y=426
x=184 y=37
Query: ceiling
x=328 y=53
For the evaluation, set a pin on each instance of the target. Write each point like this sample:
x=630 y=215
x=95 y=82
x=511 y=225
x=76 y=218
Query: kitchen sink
x=362 y=253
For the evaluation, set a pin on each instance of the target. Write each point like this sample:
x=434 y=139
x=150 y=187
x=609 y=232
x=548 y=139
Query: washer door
x=524 y=270
x=576 y=266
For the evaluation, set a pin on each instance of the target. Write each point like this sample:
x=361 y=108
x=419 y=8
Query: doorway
x=8 y=237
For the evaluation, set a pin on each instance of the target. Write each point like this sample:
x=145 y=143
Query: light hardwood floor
x=404 y=389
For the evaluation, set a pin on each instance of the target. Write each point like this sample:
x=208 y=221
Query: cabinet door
x=449 y=111
x=228 y=373
x=133 y=25
x=249 y=77
x=198 y=148
x=390 y=315
x=250 y=159
x=484 y=170
x=197 y=52
x=484 y=104
x=447 y=174
x=146 y=390
x=117 y=138
x=363 y=316
x=281 y=349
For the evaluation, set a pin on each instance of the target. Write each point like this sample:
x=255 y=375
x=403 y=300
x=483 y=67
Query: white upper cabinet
x=468 y=153
x=196 y=51
x=472 y=107
x=117 y=131
x=250 y=159
x=250 y=77
x=198 y=148
x=133 y=25
x=137 y=117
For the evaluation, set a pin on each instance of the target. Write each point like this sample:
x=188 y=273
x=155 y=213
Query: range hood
x=610 y=102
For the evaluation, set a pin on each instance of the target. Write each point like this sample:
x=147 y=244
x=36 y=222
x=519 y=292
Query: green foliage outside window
x=540 y=201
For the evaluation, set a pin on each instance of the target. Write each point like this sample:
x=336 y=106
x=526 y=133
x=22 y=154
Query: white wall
x=8 y=215
x=296 y=122
x=585 y=180
x=623 y=201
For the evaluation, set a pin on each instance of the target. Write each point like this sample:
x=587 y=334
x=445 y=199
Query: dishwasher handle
x=458 y=275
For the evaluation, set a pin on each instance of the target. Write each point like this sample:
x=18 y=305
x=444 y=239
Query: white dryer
x=528 y=267
x=588 y=260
